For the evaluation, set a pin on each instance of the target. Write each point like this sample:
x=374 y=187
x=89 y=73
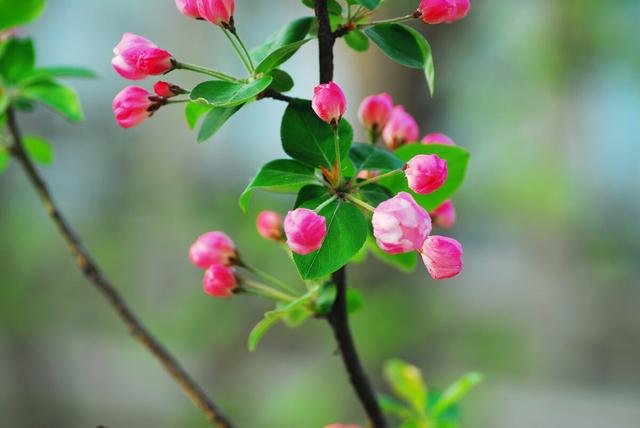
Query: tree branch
x=339 y=318
x=93 y=273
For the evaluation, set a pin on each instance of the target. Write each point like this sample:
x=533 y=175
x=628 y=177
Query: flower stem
x=178 y=101
x=379 y=178
x=361 y=203
x=268 y=290
x=336 y=142
x=270 y=278
x=246 y=52
x=204 y=70
x=326 y=203
x=388 y=21
x=238 y=52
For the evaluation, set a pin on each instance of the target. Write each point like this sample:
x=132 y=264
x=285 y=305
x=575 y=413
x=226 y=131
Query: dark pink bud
x=445 y=215
x=426 y=173
x=443 y=11
x=438 y=139
x=137 y=58
x=375 y=111
x=329 y=102
x=219 y=12
x=132 y=106
x=401 y=128
x=269 y=225
x=167 y=90
x=442 y=257
x=213 y=248
x=219 y=281
x=305 y=230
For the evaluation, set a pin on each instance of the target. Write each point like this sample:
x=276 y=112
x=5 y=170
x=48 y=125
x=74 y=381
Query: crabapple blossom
x=442 y=256
x=329 y=102
x=438 y=139
x=444 y=216
x=426 y=173
x=443 y=11
x=137 y=58
x=400 y=225
x=213 y=248
x=219 y=12
x=188 y=8
x=269 y=225
x=219 y=281
x=375 y=111
x=400 y=129
x=305 y=230
x=132 y=106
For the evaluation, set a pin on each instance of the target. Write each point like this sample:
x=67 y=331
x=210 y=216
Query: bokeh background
x=544 y=93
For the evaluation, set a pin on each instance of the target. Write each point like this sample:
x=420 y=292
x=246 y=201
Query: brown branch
x=93 y=273
x=270 y=93
x=338 y=317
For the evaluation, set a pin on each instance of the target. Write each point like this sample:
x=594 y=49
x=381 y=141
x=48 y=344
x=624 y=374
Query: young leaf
x=457 y=162
x=38 y=149
x=456 y=392
x=4 y=159
x=327 y=296
x=393 y=407
x=214 y=120
x=310 y=140
x=283 y=175
x=370 y=157
x=406 y=46
x=14 y=13
x=278 y=56
x=407 y=383
x=357 y=40
x=406 y=262
x=57 y=96
x=219 y=93
x=346 y=234
x=291 y=33
x=194 y=111
x=18 y=60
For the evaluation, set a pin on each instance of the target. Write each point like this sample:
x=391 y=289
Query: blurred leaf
x=360 y=256
x=219 y=93
x=334 y=6
x=57 y=96
x=282 y=81
x=59 y=72
x=307 y=138
x=18 y=60
x=369 y=4
x=346 y=234
x=38 y=149
x=456 y=392
x=406 y=262
x=407 y=383
x=194 y=111
x=327 y=296
x=14 y=13
x=370 y=157
x=214 y=120
x=457 y=163
x=406 y=46
x=295 y=317
x=291 y=33
x=393 y=407
x=4 y=159
x=278 y=56
x=357 y=40
x=283 y=175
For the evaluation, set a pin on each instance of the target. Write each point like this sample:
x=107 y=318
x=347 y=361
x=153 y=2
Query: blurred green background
x=544 y=93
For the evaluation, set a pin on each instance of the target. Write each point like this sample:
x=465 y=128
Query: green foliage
x=18 y=60
x=14 y=13
x=346 y=234
x=213 y=121
x=278 y=56
x=406 y=46
x=370 y=157
x=307 y=138
x=457 y=162
x=357 y=40
x=57 y=96
x=327 y=296
x=293 y=32
x=38 y=149
x=283 y=175
x=282 y=81
x=58 y=72
x=407 y=383
x=406 y=262
x=194 y=111
x=220 y=93
x=369 y=4
x=334 y=6
x=4 y=159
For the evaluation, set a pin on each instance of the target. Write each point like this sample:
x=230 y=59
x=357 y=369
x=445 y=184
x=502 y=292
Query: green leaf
x=283 y=175
x=393 y=407
x=4 y=159
x=369 y=4
x=346 y=234
x=406 y=46
x=307 y=138
x=214 y=120
x=18 y=60
x=327 y=296
x=194 y=111
x=282 y=81
x=57 y=96
x=279 y=56
x=14 y=13
x=406 y=262
x=58 y=72
x=219 y=93
x=334 y=6
x=291 y=33
x=407 y=383
x=370 y=157
x=457 y=163
x=357 y=40
x=375 y=194
x=456 y=392
x=38 y=149
x=313 y=192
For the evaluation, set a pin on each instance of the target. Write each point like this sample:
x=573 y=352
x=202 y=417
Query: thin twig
x=93 y=273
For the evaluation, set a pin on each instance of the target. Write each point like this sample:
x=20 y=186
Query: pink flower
x=213 y=248
x=219 y=281
x=305 y=230
x=329 y=102
x=167 y=90
x=137 y=58
x=441 y=11
x=438 y=139
x=400 y=129
x=341 y=426
x=188 y=8
x=445 y=215
x=442 y=256
x=400 y=225
x=269 y=225
x=132 y=106
x=219 y=12
x=426 y=173
x=375 y=111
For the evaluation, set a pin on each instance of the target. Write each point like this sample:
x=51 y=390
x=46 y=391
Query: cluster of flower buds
x=442 y=11
x=133 y=105
x=216 y=253
x=400 y=225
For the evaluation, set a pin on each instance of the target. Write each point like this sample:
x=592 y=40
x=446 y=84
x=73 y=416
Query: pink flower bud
x=305 y=230
x=375 y=111
x=462 y=9
x=132 y=106
x=219 y=281
x=400 y=225
x=400 y=129
x=188 y=8
x=219 y=12
x=137 y=58
x=426 y=173
x=341 y=426
x=167 y=90
x=438 y=139
x=445 y=215
x=442 y=256
x=213 y=248
x=368 y=175
x=329 y=102
x=441 y=11
x=269 y=225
